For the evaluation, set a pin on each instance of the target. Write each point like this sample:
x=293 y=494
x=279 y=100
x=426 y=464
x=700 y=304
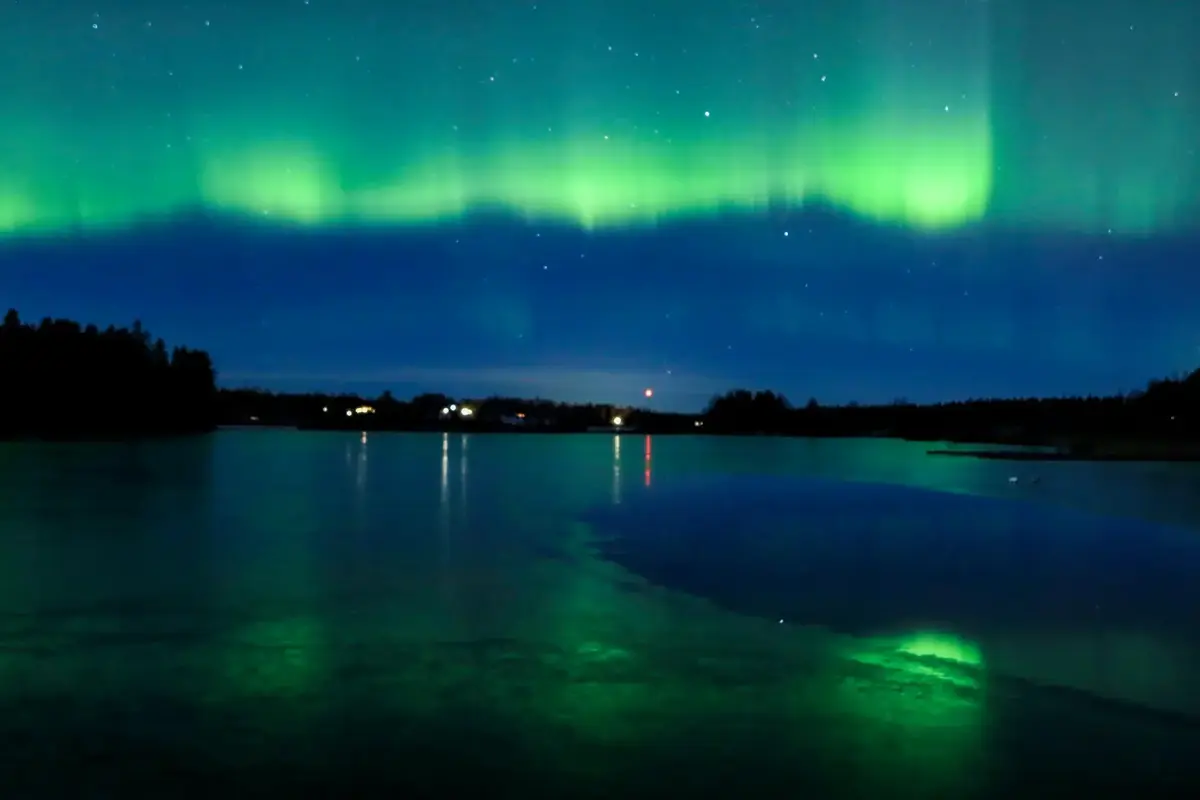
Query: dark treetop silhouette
x=62 y=380
x=1159 y=423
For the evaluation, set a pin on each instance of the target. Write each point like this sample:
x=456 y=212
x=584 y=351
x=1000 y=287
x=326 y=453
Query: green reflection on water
x=278 y=658
x=922 y=695
x=302 y=628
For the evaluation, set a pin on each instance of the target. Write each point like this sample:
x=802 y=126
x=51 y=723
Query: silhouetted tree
x=429 y=406
x=61 y=380
x=743 y=411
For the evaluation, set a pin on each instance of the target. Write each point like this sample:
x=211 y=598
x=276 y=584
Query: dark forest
x=64 y=380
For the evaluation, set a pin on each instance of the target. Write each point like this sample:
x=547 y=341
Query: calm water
x=324 y=613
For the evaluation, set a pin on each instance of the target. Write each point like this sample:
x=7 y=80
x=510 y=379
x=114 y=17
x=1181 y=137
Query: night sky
x=846 y=199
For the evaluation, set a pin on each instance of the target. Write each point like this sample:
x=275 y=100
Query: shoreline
x=1026 y=455
x=1133 y=452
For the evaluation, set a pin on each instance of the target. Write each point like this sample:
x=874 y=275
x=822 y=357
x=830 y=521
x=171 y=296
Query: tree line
x=435 y=412
x=61 y=379
x=66 y=380
x=1167 y=411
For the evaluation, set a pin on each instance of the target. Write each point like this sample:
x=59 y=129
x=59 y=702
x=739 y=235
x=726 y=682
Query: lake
x=361 y=615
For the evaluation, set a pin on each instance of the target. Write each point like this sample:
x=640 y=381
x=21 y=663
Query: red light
x=647 y=473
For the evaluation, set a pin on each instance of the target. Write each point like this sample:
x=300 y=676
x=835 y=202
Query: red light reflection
x=647 y=461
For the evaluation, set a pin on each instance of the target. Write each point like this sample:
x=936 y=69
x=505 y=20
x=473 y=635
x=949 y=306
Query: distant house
x=522 y=419
x=453 y=410
x=611 y=429
x=526 y=420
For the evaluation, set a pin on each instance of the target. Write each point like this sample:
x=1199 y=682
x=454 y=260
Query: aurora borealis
x=930 y=198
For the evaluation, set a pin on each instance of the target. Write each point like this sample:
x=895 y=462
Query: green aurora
x=931 y=115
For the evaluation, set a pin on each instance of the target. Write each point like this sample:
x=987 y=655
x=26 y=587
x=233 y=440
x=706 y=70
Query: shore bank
x=1155 y=455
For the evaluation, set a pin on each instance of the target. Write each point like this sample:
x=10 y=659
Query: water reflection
x=445 y=551
x=276 y=569
x=1104 y=606
x=464 y=440
x=647 y=465
x=452 y=516
x=78 y=521
x=616 y=470
x=444 y=484
x=928 y=689
x=360 y=483
x=219 y=591
x=454 y=453
x=286 y=658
